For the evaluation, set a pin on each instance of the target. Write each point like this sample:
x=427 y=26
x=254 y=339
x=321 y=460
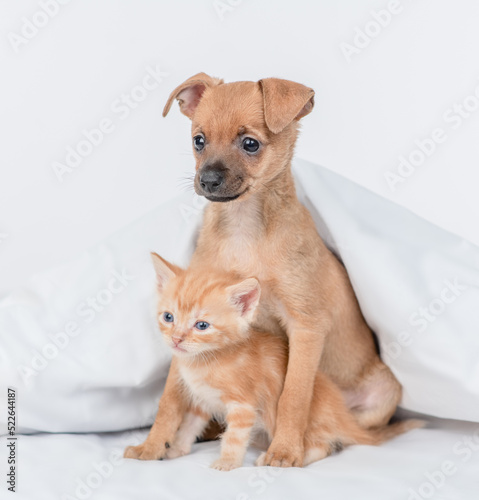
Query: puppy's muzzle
x=211 y=179
x=216 y=182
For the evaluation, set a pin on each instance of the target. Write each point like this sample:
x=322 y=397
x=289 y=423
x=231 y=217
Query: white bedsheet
x=66 y=466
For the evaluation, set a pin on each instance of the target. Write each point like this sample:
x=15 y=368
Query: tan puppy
x=243 y=137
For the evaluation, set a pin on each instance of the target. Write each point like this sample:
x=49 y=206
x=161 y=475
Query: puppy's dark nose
x=211 y=180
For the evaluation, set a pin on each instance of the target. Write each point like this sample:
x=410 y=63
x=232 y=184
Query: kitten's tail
x=378 y=435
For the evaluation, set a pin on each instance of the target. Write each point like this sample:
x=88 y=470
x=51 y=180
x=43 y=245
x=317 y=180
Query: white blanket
x=429 y=463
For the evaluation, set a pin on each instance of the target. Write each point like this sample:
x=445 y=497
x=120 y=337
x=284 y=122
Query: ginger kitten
x=223 y=368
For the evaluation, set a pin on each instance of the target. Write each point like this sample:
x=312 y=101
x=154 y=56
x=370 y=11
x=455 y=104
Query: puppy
x=243 y=136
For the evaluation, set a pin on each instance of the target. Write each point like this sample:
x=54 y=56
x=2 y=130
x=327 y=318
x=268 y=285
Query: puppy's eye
x=198 y=142
x=202 y=325
x=168 y=317
x=250 y=145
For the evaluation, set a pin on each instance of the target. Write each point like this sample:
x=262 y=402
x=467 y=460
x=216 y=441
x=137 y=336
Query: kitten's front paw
x=283 y=454
x=224 y=465
x=145 y=451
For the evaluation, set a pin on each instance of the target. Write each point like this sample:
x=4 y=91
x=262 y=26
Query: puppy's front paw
x=225 y=465
x=282 y=454
x=145 y=451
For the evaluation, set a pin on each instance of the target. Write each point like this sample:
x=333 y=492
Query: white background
x=369 y=110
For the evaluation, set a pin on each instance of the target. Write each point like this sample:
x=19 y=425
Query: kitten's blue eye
x=168 y=317
x=202 y=325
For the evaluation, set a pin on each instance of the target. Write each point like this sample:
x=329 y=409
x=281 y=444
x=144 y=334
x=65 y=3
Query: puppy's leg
x=305 y=348
x=331 y=424
x=170 y=413
x=374 y=399
x=194 y=423
x=316 y=452
x=240 y=420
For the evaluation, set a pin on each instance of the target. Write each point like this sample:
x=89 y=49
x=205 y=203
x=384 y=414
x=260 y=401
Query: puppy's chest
x=240 y=251
x=244 y=249
x=202 y=393
x=240 y=240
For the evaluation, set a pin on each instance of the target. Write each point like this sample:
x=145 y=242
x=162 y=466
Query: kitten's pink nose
x=176 y=340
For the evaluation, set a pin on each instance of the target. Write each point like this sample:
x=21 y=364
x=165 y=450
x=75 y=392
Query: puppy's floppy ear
x=189 y=93
x=285 y=101
x=245 y=296
x=165 y=271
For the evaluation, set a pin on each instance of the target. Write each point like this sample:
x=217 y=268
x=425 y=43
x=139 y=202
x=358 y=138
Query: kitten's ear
x=164 y=270
x=245 y=296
